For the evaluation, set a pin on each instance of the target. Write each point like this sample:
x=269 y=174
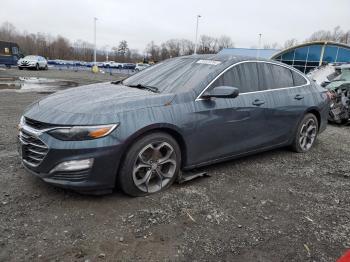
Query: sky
x=142 y=21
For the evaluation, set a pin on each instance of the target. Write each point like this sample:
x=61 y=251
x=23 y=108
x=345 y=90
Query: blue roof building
x=307 y=56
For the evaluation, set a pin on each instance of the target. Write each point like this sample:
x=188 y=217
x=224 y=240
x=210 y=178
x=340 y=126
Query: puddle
x=34 y=84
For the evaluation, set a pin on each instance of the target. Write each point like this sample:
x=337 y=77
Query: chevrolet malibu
x=140 y=133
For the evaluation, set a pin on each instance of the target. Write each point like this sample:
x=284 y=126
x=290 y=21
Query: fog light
x=73 y=165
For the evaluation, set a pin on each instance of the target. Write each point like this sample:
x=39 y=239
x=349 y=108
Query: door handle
x=298 y=97
x=258 y=102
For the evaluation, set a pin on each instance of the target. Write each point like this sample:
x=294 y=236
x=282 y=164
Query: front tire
x=306 y=134
x=150 y=165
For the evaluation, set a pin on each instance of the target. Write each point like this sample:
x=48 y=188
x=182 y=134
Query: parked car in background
x=141 y=66
x=32 y=61
x=9 y=53
x=129 y=66
x=112 y=64
x=180 y=114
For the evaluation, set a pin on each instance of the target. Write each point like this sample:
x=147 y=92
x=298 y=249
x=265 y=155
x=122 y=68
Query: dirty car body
x=170 y=97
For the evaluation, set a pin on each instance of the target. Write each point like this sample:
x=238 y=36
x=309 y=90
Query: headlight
x=79 y=133
x=21 y=122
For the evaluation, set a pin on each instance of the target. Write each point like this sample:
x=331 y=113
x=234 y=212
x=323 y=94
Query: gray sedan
x=180 y=114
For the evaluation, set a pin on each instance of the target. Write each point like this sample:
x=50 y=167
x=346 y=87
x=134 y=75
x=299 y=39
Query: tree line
x=59 y=47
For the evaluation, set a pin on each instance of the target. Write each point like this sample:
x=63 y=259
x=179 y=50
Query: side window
x=266 y=77
x=282 y=77
x=298 y=79
x=14 y=50
x=243 y=76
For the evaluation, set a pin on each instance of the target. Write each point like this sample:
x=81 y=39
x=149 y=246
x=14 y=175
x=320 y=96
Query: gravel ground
x=275 y=206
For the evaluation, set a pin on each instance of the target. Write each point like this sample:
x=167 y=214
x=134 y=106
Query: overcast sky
x=141 y=21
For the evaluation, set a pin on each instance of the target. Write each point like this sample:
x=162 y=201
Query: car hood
x=93 y=104
x=27 y=60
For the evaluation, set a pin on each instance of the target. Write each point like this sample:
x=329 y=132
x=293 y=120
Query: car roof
x=228 y=60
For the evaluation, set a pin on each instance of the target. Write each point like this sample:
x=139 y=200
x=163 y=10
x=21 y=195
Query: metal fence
x=107 y=70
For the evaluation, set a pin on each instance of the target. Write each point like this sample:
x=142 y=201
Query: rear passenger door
x=284 y=102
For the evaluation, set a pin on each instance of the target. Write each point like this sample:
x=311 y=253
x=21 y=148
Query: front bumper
x=105 y=152
x=26 y=66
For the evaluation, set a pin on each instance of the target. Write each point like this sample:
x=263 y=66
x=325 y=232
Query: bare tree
x=337 y=35
x=272 y=46
x=225 y=42
x=208 y=45
x=290 y=42
x=153 y=51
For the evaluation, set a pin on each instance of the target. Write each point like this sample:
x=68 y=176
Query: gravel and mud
x=275 y=206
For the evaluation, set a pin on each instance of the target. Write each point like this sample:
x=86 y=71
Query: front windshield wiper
x=150 y=88
x=117 y=82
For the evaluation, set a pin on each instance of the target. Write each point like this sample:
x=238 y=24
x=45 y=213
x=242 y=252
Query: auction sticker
x=208 y=62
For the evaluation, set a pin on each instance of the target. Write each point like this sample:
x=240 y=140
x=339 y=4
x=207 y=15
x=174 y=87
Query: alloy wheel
x=307 y=134
x=154 y=167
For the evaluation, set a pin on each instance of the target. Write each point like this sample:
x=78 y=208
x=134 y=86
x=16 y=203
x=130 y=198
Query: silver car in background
x=32 y=61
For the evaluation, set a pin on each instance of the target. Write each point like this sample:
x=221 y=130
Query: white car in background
x=141 y=66
x=32 y=61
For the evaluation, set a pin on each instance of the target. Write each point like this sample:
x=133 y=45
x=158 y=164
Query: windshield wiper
x=150 y=88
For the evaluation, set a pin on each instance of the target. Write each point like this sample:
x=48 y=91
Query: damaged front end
x=340 y=106
x=340 y=96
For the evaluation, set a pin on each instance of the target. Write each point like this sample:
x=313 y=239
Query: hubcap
x=307 y=134
x=154 y=167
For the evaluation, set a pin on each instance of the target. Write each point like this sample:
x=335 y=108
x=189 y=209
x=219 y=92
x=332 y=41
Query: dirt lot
x=275 y=206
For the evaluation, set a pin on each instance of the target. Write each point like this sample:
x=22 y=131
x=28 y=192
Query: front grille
x=33 y=149
x=71 y=175
x=37 y=124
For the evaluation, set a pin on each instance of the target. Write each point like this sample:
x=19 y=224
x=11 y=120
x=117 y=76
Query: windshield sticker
x=208 y=62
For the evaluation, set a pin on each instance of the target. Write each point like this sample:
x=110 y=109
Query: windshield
x=30 y=57
x=173 y=75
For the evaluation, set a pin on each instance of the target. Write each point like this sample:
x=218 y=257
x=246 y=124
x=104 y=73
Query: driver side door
x=226 y=127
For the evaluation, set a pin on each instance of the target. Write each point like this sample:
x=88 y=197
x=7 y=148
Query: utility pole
x=195 y=44
x=95 y=19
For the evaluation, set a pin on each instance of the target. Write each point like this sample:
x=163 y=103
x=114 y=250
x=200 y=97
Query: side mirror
x=222 y=92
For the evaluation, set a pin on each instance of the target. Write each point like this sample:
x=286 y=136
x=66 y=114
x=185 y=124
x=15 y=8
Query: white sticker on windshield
x=208 y=62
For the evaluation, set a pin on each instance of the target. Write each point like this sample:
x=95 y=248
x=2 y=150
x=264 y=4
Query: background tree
x=290 y=42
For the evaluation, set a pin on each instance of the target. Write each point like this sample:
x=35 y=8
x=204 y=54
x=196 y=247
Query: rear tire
x=150 y=165
x=306 y=134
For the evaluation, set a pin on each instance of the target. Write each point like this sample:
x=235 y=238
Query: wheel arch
x=315 y=112
x=169 y=129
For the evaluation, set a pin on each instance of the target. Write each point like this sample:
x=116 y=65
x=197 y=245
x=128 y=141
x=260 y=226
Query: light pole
x=195 y=44
x=259 y=47
x=106 y=48
x=95 y=19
